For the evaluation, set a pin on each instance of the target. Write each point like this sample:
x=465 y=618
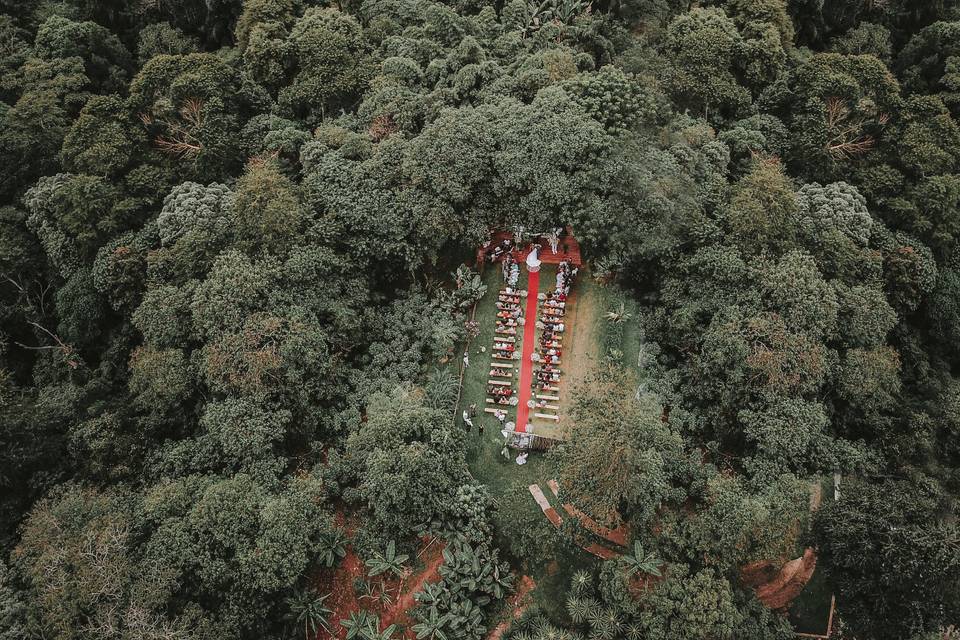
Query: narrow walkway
x=598 y=550
x=616 y=536
x=529 y=340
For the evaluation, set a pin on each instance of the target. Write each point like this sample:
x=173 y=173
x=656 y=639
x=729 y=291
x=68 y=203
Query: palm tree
x=581 y=582
x=605 y=624
x=390 y=561
x=307 y=608
x=640 y=562
x=578 y=609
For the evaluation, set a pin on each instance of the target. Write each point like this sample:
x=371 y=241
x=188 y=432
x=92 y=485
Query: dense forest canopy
x=226 y=236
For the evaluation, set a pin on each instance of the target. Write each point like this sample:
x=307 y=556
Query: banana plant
x=432 y=595
x=332 y=545
x=307 y=609
x=465 y=619
x=386 y=634
x=391 y=561
x=640 y=562
x=361 y=624
x=431 y=626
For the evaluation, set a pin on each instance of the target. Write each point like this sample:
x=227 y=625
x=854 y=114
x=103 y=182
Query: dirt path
x=516 y=605
x=581 y=353
x=344 y=600
x=397 y=612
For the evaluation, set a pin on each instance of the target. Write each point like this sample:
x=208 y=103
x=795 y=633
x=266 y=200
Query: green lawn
x=483 y=452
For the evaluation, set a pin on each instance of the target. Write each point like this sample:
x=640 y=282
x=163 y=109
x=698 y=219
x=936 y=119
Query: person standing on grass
x=467 y=420
x=466 y=359
x=473 y=410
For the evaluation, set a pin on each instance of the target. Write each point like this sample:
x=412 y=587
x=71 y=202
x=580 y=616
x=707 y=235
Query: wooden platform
x=569 y=249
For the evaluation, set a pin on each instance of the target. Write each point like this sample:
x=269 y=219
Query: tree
x=190 y=110
x=703 y=46
x=332 y=64
x=621 y=458
x=692 y=606
x=894 y=562
x=102 y=141
x=266 y=208
x=12 y=608
x=791 y=434
x=763 y=208
x=232 y=545
x=72 y=215
x=640 y=562
x=105 y=59
x=842 y=104
x=34 y=127
x=795 y=289
x=618 y=101
x=77 y=556
x=926 y=63
x=160 y=39
x=866 y=38
x=734 y=526
x=233 y=290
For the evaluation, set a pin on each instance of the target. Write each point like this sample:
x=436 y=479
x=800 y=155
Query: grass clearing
x=483 y=449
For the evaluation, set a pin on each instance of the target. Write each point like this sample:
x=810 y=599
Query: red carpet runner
x=529 y=340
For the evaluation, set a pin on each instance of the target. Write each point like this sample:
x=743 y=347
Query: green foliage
x=763 y=207
x=331 y=61
x=620 y=453
x=704 y=46
x=72 y=215
x=307 y=609
x=102 y=140
x=641 y=563
x=618 y=101
x=472 y=578
x=233 y=238
x=105 y=59
x=162 y=39
x=387 y=562
x=266 y=208
x=878 y=543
